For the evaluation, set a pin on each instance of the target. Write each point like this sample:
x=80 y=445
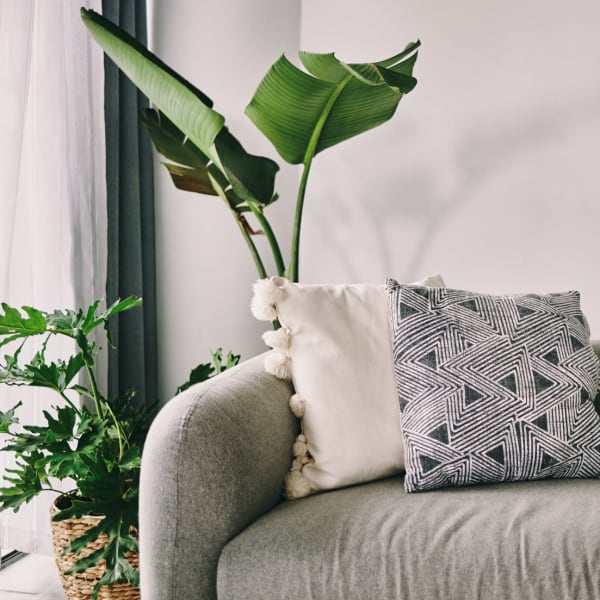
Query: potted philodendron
x=302 y=112
x=92 y=441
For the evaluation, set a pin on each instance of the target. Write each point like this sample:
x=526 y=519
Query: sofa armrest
x=214 y=461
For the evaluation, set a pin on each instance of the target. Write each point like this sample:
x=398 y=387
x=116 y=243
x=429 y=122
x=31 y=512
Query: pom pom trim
x=265 y=298
x=297 y=405
x=279 y=339
x=266 y=295
x=296 y=485
x=278 y=364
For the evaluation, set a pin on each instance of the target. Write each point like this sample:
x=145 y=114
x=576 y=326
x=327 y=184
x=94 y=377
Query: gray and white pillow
x=493 y=388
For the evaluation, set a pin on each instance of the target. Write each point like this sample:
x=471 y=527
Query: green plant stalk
x=51 y=489
x=120 y=433
x=260 y=267
x=69 y=402
x=94 y=394
x=293 y=267
x=94 y=391
x=271 y=238
x=98 y=404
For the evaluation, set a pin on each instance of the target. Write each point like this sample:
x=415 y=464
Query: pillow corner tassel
x=296 y=483
x=266 y=295
x=278 y=364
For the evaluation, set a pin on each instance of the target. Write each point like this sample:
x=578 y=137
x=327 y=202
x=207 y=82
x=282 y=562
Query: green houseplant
x=88 y=438
x=301 y=112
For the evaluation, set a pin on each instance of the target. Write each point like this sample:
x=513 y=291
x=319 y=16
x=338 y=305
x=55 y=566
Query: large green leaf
x=304 y=113
x=26 y=483
x=170 y=141
x=188 y=108
x=8 y=418
x=190 y=112
x=15 y=325
x=251 y=178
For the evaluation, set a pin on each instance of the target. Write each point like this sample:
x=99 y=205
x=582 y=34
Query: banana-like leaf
x=191 y=174
x=188 y=109
x=250 y=177
x=191 y=179
x=170 y=141
x=184 y=104
x=304 y=113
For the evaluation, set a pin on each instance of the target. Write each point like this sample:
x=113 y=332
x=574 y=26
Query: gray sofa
x=213 y=524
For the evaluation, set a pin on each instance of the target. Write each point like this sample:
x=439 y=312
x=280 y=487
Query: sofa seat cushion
x=526 y=540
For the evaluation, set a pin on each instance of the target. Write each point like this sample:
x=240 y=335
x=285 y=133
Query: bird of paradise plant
x=301 y=112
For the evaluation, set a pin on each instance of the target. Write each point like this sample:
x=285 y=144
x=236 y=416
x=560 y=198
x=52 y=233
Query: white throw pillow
x=334 y=343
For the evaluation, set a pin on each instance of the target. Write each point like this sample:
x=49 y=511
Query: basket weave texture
x=80 y=585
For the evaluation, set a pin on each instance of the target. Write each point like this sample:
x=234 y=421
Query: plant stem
x=99 y=407
x=311 y=150
x=120 y=433
x=95 y=392
x=272 y=239
x=260 y=267
x=98 y=403
x=69 y=402
x=294 y=255
x=51 y=489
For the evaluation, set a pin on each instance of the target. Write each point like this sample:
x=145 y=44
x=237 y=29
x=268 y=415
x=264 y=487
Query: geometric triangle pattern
x=493 y=388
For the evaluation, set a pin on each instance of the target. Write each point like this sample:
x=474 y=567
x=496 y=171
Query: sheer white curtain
x=52 y=188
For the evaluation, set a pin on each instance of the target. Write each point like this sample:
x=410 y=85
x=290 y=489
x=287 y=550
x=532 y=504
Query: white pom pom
x=267 y=291
x=278 y=364
x=299 y=449
x=266 y=295
x=279 y=339
x=298 y=463
x=296 y=485
x=263 y=312
x=297 y=405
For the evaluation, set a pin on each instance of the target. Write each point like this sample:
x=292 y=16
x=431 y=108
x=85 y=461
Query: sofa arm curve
x=214 y=461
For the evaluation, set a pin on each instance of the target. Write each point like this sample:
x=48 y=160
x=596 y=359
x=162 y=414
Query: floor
x=33 y=577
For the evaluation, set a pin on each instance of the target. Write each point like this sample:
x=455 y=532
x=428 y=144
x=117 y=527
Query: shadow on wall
x=485 y=152
x=401 y=215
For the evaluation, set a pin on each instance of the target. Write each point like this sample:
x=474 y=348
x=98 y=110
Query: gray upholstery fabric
x=526 y=540
x=214 y=461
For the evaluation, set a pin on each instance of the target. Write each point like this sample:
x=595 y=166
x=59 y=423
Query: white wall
x=204 y=269
x=487 y=174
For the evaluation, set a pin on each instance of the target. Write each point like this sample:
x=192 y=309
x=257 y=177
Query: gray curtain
x=131 y=240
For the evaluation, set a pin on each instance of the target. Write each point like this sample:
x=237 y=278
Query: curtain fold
x=52 y=191
x=131 y=255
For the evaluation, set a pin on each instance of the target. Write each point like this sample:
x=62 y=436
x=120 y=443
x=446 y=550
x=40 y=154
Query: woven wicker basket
x=79 y=586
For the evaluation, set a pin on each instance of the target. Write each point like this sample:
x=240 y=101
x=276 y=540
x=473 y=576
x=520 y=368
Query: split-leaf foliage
x=93 y=440
x=87 y=438
x=207 y=370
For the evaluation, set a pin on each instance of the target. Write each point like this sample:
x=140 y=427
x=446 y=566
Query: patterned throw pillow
x=493 y=388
